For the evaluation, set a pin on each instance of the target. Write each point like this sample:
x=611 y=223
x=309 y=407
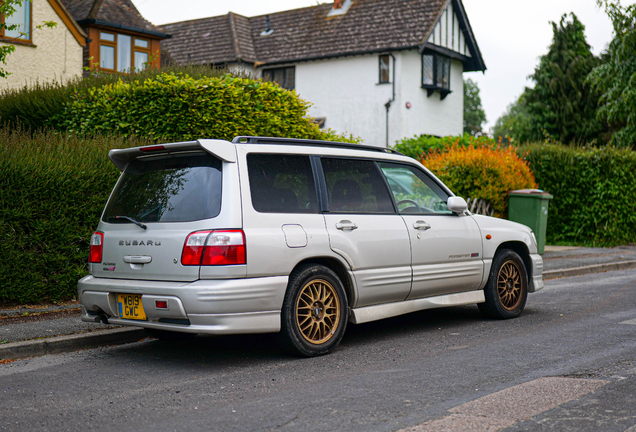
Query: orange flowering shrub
x=484 y=172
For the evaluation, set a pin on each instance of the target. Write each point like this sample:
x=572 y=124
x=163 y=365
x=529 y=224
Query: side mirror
x=457 y=204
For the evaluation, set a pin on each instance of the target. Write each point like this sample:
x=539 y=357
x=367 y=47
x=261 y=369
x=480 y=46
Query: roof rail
x=308 y=142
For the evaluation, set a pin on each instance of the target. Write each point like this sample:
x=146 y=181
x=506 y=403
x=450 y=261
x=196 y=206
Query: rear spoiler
x=224 y=150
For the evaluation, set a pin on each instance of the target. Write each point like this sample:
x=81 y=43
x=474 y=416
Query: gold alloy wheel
x=318 y=311
x=509 y=284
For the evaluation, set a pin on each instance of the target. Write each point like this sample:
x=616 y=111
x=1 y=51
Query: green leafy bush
x=594 y=193
x=39 y=106
x=53 y=188
x=482 y=172
x=419 y=146
x=172 y=107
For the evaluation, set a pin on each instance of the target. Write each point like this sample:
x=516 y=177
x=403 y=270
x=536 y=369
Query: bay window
x=119 y=52
x=436 y=73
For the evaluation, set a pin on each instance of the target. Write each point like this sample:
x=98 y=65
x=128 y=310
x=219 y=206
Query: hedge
x=420 y=146
x=53 y=188
x=594 y=193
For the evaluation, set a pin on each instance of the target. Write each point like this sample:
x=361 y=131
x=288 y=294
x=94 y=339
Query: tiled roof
x=120 y=12
x=306 y=33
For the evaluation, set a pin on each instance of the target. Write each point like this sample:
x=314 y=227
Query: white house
x=380 y=69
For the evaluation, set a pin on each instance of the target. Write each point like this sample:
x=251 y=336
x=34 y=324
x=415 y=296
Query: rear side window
x=356 y=186
x=175 y=188
x=282 y=183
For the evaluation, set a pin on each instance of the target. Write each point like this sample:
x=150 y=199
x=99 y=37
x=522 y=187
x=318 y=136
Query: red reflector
x=96 y=247
x=152 y=148
x=161 y=304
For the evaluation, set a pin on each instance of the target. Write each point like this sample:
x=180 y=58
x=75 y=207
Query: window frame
x=388 y=69
x=19 y=40
x=283 y=68
x=133 y=49
x=431 y=88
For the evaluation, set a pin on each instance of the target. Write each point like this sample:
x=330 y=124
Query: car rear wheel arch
x=339 y=269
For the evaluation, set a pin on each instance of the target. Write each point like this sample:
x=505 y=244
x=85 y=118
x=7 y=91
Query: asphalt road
x=569 y=363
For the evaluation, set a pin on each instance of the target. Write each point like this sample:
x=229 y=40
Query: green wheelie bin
x=530 y=207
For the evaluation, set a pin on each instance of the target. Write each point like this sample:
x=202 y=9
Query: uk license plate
x=131 y=307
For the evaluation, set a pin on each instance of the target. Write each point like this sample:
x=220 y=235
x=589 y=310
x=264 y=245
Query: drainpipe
x=388 y=104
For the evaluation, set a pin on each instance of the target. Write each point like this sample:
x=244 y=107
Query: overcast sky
x=512 y=34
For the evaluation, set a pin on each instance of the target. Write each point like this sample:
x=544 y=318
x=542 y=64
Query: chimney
x=340 y=7
x=268 y=30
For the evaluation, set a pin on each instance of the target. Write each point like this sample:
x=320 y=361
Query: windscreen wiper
x=139 y=224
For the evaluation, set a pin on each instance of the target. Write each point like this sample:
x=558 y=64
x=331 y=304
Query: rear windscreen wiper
x=139 y=224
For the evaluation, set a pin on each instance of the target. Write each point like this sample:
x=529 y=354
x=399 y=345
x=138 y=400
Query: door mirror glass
x=457 y=204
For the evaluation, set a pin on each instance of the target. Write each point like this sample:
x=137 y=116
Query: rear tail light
x=193 y=248
x=96 y=247
x=221 y=247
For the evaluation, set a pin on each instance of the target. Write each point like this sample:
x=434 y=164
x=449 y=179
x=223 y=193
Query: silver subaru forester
x=295 y=237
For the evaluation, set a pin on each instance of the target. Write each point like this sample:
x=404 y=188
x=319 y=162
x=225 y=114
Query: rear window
x=174 y=188
x=282 y=183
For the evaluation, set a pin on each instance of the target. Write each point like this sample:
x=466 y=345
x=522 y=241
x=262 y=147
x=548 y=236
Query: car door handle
x=346 y=225
x=136 y=259
x=421 y=225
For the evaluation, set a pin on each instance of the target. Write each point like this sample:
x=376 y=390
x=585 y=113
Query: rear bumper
x=537 y=273
x=205 y=306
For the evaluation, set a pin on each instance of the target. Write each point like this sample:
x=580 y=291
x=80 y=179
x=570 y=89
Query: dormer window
x=436 y=74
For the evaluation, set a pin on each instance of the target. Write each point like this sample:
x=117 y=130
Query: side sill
x=378 y=312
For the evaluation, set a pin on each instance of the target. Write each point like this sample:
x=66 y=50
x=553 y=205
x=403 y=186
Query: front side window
x=355 y=186
x=281 y=183
x=436 y=73
x=18 y=25
x=176 y=188
x=284 y=77
x=413 y=191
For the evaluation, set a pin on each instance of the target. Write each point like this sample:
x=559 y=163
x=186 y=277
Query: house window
x=118 y=52
x=284 y=77
x=436 y=74
x=385 y=75
x=19 y=23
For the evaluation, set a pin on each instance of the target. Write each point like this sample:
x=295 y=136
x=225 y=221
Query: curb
x=597 y=268
x=63 y=344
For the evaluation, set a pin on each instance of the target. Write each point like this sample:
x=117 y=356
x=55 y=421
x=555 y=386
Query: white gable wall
x=429 y=115
x=346 y=91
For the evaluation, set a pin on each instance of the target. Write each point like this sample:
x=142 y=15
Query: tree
x=561 y=105
x=615 y=79
x=7 y=9
x=474 y=115
x=514 y=124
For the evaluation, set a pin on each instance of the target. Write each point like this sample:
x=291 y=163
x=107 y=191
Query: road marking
x=631 y=322
x=512 y=405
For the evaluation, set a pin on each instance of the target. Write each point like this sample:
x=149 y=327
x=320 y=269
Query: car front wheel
x=314 y=314
x=507 y=288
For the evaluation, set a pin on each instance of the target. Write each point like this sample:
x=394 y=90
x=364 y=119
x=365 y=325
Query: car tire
x=169 y=336
x=507 y=288
x=314 y=314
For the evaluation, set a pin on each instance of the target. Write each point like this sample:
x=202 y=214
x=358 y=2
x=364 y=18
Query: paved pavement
x=39 y=330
